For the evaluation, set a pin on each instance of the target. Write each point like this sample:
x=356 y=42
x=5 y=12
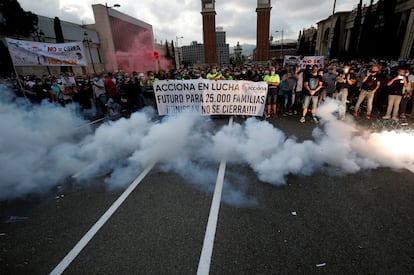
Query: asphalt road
x=361 y=223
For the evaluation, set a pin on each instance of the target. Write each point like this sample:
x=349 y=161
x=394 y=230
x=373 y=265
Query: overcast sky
x=176 y=18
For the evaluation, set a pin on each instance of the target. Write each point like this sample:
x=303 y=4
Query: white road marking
x=90 y=123
x=83 y=170
x=207 y=250
x=97 y=226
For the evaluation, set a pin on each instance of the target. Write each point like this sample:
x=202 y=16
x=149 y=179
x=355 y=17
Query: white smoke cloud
x=37 y=146
x=42 y=146
x=338 y=145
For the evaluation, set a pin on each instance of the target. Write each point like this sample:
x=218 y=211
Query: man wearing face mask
x=214 y=74
x=273 y=81
x=370 y=85
x=56 y=89
x=135 y=100
x=39 y=91
x=396 y=86
x=69 y=83
x=329 y=78
x=313 y=84
x=99 y=95
x=344 y=82
x=149 y=88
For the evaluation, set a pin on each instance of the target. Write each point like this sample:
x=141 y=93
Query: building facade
x=193 y=54
x=222 y=47
x=127 y=43
x=384 y=29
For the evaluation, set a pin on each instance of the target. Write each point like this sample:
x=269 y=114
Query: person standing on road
x=313 y=85
x=396 y=87
x=99 y=95
x=370 y=85
x=273 y=80
x=329 y=78
x=289 y=83
x=300 y=73
x=69 y=84
x=344 y=82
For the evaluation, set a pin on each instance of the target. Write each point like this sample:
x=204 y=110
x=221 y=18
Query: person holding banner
x=214 y=74
x=273 y=81
x=313 y=85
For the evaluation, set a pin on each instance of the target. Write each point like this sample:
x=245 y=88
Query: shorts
x=307 y=99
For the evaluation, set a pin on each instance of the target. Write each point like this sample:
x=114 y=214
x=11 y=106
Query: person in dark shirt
x=395 y=86
x=370 y=85
x=313 y=85
x=344 y=82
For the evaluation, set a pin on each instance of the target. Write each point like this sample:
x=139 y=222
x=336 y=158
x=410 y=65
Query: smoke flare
x=42 y=145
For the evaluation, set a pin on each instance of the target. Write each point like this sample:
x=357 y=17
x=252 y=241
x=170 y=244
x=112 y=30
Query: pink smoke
x=139 y=55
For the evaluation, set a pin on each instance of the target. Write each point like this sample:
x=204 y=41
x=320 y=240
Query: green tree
x=14 y=20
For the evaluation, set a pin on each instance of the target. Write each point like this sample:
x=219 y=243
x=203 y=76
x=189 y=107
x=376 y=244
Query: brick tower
x=262 y=32
x=209 y=31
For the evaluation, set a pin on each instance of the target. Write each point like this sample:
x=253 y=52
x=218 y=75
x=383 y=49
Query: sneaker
x=355 y=114
x=404 y=123
x=315 y=119
x=395 y=119
x=267 y=115
x=368 y=116
x=386 y=117
x=302 y=120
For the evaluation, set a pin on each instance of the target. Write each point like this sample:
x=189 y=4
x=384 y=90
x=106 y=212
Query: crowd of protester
x=361 y=88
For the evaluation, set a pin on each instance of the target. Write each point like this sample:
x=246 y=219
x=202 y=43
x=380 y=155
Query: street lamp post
x=88 y=41
x=110 y=49
x=281 y=44
x=179 y=57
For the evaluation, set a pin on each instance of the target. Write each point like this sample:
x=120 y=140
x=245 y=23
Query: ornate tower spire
x=262 y=32
x=209 y=31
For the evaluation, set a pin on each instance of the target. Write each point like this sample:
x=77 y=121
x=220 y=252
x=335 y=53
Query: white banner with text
x=210 y=97
x=31 y=53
